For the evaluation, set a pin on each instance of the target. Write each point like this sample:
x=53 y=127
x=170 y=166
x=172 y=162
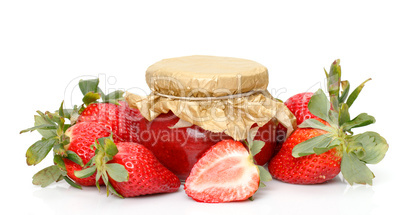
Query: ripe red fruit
x=317 y=151
x=129 y=169
x=123 y=120
x=266 y=133
x=82 y=136
x=146 y=174
x=298 y=105
x=311 y=169
x=225 y=173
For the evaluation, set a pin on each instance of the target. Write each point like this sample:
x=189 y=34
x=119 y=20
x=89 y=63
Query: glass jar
x=197 y=101
x=178 y=149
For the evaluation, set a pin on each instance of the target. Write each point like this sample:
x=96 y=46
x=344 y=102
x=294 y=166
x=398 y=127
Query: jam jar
x=197 y=101
x=178 y=149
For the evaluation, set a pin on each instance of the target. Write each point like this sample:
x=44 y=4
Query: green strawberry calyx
x=356 y=150
x=106 y=149
x=52 y=127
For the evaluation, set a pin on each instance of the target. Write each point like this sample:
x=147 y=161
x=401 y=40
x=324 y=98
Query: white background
x=47 y=46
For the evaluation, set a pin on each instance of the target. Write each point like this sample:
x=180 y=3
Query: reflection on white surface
x=334 y=197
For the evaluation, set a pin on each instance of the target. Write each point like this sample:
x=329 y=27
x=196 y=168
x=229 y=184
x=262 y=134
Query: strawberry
x=267 y=134
x=82 y=136
x=129 y=169
x=225 y=173
x=53 y=126
x=311 y=169
x=298 y=105
x=122 y=119
x=319 y=149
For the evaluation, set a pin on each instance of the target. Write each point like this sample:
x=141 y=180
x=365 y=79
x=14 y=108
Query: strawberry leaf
x=313 y=123
x=355 y=93
x=42 y=127
x=313 y=145
x=264 y=175
x=372 y=144
x=354 y=170
x=110 y=148
x=58 y=161
x=45 y=132
x=345 y=91
x=85 y=173
x=60 y=112
x=90 y=97
x=105 y=179
x=58 y=149
x=114 y=97
x=72 y=183
x=90 y=85
x=333 y=119
x=111 y=189
x=39 y=150
x=361 y=120
x=117 y=172
x=90 y=162
x=54 y=117
x=319 y=105
x=47 y=176
x=74 y=158
x=72 y=114
x=256 y=147
x=343 y=114
x=334 y=80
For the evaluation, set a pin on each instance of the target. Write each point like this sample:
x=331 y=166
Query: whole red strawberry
x=146 y=174
x=298 y=105
x=129 y=169
x=123 y=120
x=82 y=136
x=319 y=149
x=266 y=133
x=311 y=169
x=113 y=114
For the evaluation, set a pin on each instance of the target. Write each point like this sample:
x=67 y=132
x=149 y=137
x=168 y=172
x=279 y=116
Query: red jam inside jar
x=178 y=149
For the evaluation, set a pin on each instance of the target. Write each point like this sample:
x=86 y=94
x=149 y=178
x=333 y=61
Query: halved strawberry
x=225 y=173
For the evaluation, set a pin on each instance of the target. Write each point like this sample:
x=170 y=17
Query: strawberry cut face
x=229 y=170
x=225 y=173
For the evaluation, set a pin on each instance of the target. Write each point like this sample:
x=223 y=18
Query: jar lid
x=206 y=76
